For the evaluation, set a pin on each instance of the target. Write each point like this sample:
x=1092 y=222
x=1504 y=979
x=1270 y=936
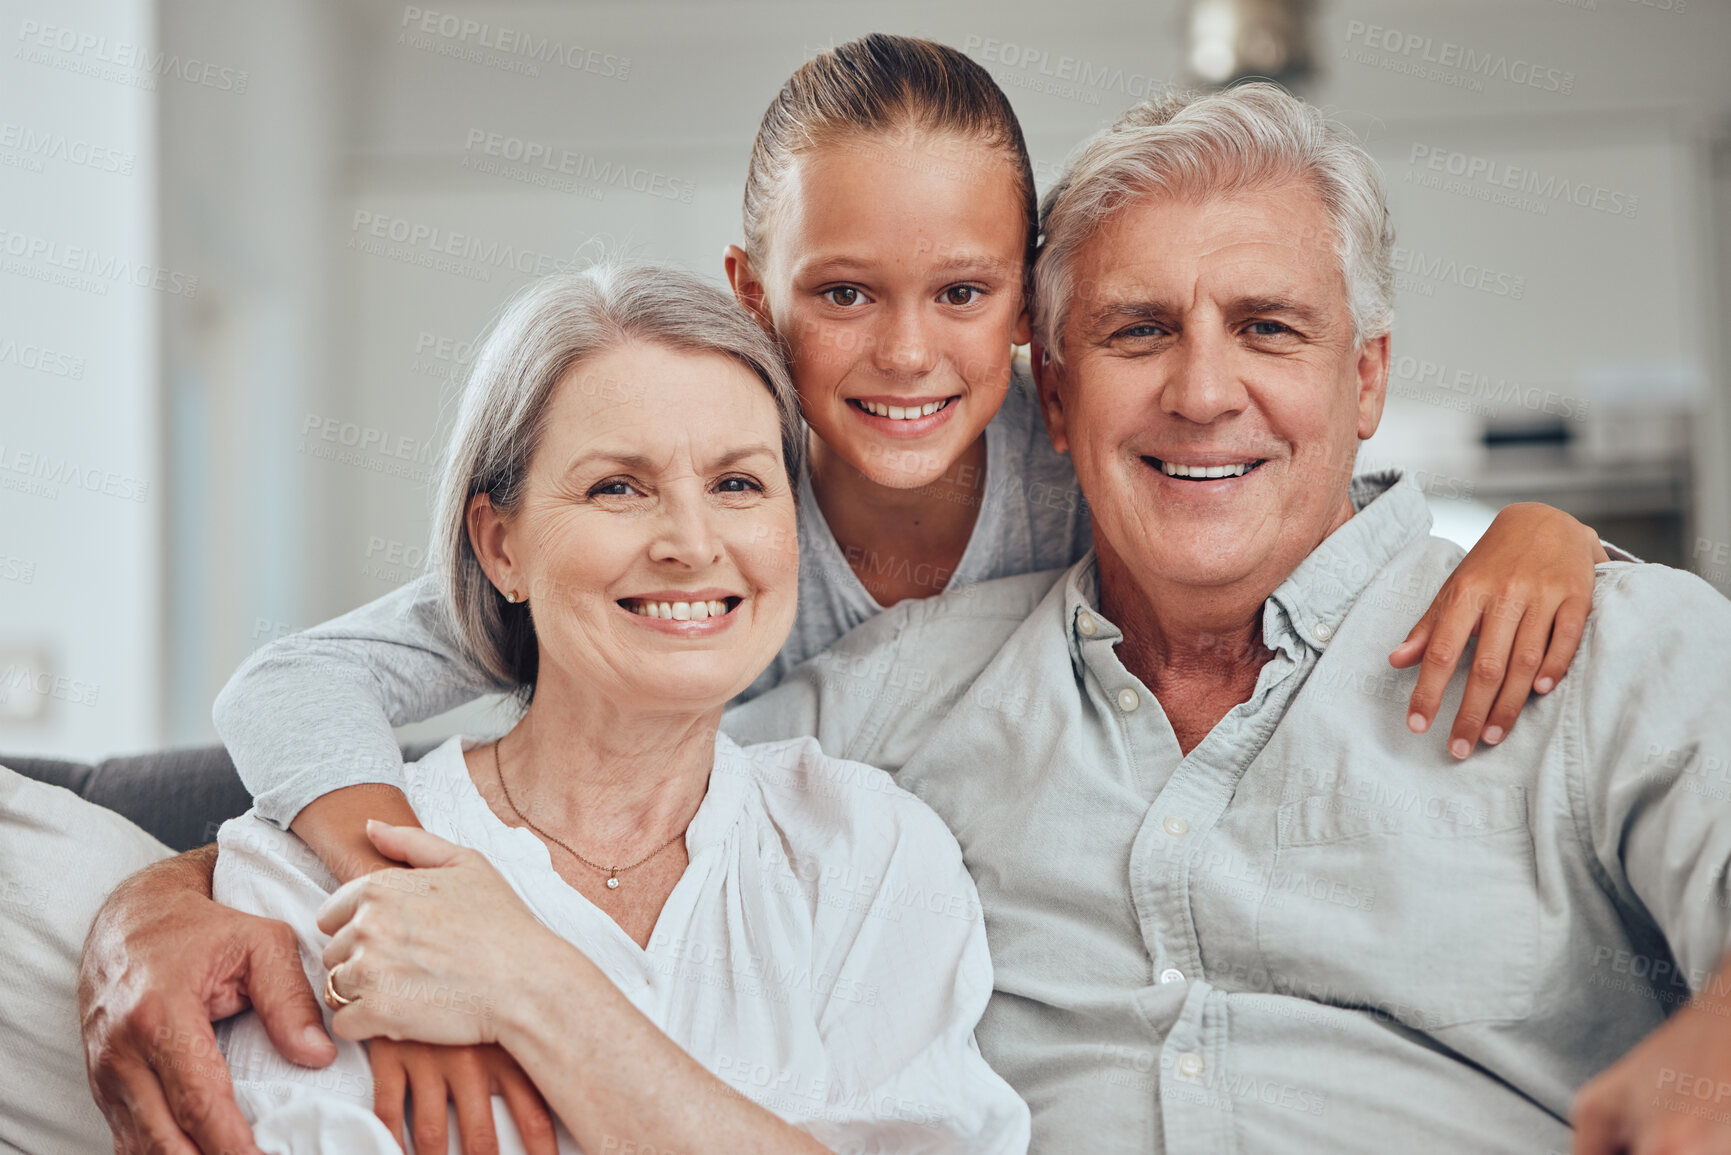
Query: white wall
x=306 y=324
x=1610 y=312
x=81 y=484
x=250 y=187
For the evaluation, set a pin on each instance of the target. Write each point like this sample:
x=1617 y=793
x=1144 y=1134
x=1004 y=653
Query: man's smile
x=1205 y=470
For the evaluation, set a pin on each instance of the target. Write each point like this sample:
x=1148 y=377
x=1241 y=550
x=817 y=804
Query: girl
x=889 y=224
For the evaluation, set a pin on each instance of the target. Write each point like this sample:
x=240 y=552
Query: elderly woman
x=687 y=945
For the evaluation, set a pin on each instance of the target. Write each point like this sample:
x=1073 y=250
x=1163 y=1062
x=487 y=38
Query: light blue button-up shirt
x=1316 y=931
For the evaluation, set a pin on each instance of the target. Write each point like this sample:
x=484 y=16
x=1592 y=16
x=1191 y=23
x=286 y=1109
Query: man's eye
x=738 y=485
x=1268 y=328
x=962 y=294
x=1144 y=330
x=843 y=295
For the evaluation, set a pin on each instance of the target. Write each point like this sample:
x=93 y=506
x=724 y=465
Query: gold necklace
x=612 y=872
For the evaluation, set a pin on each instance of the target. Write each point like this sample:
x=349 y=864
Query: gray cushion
x=180 y=796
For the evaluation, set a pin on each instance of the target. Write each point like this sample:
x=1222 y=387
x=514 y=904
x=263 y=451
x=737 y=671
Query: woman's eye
x=738 y=485
x=615 y=488
x=843 y=295
x=961 y=294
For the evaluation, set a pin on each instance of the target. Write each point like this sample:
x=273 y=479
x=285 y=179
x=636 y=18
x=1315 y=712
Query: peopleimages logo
x=416 y=242
x=1068 y=77
x=39 y=473
x=534 y=154
x=92 y=50
x=1528 y=188
x=41 y=144
x=463 y=37
x=1445 y=56
x=27 y=355
x=78 y=267
x=1420 y=266
x=1462 y=389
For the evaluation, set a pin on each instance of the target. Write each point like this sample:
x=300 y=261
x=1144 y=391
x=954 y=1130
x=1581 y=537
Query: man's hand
x=163 y=961
x=1669 y=1096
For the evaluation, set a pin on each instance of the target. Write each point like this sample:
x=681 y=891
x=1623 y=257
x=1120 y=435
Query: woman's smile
x=697 y=614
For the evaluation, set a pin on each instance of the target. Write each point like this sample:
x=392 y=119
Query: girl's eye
x=843 y=295
x=738 y=485
x=961 y=294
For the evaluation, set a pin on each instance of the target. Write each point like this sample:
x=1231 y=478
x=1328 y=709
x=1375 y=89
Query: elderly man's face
x=1212 y=395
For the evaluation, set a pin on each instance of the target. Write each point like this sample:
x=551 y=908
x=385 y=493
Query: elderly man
x=1232 y=906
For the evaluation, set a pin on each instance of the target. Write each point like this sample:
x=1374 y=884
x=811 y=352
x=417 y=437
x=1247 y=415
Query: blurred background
x=245 y=245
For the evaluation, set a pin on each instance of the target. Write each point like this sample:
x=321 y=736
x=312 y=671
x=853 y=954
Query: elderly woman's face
x=656 y=537
x=1213 y=394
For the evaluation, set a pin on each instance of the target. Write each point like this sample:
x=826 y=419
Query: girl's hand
x=1525 y=589
x=437 y=954
x=468 y=1077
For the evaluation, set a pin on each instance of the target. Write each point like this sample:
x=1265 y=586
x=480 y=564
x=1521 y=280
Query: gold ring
x=333 y=1000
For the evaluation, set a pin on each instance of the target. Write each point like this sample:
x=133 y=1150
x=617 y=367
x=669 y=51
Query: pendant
x=613 y=881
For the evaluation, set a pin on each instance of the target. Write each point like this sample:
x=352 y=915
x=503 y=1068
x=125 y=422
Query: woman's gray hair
x=552 y=325
x=1190 y=145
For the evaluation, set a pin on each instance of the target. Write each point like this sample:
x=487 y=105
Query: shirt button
x=1171 y=975
x=1323 y=631
x=1176 y=827
x=1127 y=699
x=1190 y=1065
x=1085 y=624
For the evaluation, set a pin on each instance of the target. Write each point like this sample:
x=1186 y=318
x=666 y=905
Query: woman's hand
x=447 y=953
x=468 y=1077
x=1525 y=589
x=434 y=954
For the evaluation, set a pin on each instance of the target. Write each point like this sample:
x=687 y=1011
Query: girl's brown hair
x=882 y=84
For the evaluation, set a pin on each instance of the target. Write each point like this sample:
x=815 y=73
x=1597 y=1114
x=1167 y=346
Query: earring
x=511 y=597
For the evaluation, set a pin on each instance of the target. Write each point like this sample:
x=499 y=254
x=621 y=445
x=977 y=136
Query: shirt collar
x=1083 y=623
x=730 y=781
x=1310 y=604
x=1306 y=608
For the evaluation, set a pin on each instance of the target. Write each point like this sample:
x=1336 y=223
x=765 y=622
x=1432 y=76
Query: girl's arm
x=334 y=825
x=308 y=722
x=307 y=718
x=1525 y=591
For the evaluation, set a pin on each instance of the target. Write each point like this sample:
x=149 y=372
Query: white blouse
x=823 y=954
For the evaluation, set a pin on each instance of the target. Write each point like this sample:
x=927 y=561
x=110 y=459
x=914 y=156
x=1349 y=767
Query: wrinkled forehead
x=668 y=403
x=1272 y=240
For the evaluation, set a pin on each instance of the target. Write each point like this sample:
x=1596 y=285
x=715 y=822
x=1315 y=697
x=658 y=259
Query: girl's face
x=894 y=272
x=655 y=535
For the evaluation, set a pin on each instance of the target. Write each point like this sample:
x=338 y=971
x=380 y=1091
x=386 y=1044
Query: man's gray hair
x=556 y=323
x=1188 y=145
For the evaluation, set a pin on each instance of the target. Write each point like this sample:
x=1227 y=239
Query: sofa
x=69 y=833
x=179 y=796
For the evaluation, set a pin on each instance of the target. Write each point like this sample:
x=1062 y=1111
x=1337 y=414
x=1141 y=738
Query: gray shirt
x=312 y=712
x=1316 y=931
